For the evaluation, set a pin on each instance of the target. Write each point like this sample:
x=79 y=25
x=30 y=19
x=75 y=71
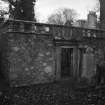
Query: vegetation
x=102 y=13
x=62 y=16
x=21 y=9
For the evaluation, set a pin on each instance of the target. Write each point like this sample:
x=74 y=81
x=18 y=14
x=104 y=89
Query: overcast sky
x=46 y=7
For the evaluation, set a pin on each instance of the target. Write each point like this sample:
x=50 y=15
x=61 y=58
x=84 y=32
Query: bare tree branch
x=62 y=16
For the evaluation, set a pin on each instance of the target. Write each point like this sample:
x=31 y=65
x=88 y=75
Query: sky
x=45 y=8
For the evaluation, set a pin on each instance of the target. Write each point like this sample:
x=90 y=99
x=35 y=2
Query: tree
x=102 y=13
x=21 y=9
x=56 y=19
x=3 y=12
x=96 y=8
x=62 y=16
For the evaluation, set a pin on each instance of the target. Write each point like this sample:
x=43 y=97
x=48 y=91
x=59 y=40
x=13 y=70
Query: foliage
x=3 y=10
x=21 y=9
x=62 y=16
x=102 y=14
x=96 y=8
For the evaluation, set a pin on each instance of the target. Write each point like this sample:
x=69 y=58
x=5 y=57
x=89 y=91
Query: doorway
x=66 y=62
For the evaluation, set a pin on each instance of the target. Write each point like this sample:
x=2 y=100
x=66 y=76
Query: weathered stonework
x=30 y=59
x=35 y=56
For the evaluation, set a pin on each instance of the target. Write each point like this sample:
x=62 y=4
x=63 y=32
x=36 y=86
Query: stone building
x=54 y=53
x=92 y=20
x=81 y=23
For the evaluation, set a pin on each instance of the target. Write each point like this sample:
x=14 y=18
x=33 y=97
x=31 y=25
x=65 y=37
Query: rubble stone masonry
x=30 y=59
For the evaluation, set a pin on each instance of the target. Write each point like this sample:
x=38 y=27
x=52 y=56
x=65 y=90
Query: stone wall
x=92 y=54
x=30 y=59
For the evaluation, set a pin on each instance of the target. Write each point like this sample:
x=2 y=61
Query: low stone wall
x=30 y=59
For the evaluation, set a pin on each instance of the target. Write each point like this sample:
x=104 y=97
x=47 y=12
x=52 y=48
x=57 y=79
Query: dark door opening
x=1 y=67
x=81 y=53
x=3 y=80
x=66 y=62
